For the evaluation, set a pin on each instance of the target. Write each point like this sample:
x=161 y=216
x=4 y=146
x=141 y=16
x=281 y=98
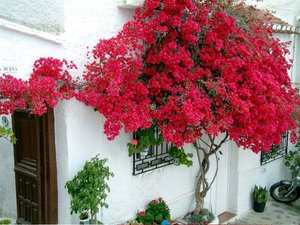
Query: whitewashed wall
x=7 y=181
x=42 y=15
x=79 y=130
x=248 y=172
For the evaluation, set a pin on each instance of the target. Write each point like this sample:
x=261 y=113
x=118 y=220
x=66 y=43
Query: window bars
x=153 y=158
x=276 y=151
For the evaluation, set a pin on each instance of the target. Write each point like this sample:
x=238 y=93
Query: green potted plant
x=180 y=157
x=156 y=212
x=144 y=139
x=84 y=218
x=5 y=221
x=88 y=188
x=260 y=198
x=292 y=159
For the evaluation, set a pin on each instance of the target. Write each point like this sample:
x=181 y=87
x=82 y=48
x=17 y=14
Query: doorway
x=35 y=168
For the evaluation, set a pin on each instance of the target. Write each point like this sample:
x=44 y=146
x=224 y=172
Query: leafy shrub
x=183 y=158
x=5 y=221
x=292 y=159
x=88 y=188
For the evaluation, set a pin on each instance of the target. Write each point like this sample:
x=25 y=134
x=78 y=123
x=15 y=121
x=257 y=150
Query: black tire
x=278 y=190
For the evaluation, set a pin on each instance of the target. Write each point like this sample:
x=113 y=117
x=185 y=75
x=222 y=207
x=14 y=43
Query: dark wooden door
x=35 y=168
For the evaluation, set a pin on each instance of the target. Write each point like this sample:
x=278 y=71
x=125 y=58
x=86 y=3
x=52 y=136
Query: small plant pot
x=176 y=162
x=145 y=152
x=259 y=207
x=84 y=221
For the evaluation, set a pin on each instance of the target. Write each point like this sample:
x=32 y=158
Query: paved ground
x=275 y=213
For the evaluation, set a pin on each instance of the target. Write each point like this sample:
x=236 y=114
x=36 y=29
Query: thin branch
x=204 y=142
x=216 y=172
x=197 y=151
x=219 y=145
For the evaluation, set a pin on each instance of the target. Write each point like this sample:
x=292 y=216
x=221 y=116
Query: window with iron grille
x=276 y=151
x=153 y=158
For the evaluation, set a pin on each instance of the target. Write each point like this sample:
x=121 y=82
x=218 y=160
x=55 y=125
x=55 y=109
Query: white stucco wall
x=79 y=131
x=251 y=173
x=128 y=193
x=7 y=178
x=42 y=15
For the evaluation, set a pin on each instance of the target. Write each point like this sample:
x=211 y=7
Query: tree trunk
x=203 y=155
x=199 y=203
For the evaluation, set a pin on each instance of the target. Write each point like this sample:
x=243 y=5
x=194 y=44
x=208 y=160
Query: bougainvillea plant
x=50 y=82
x=201 y=72
x=192 y=68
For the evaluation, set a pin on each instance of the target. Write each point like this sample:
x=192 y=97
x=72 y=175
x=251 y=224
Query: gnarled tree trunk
x=204 y=152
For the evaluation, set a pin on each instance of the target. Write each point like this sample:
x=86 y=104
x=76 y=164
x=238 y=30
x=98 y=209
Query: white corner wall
x=128 y=193
x=248 y=172
x=7 y=178
x=47 y=16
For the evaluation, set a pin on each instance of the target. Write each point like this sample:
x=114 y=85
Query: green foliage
x=196 y=219
x=5 y=221
x=156 y=212
x=145 y=138
x=260 y=194
x=88 y=188
x=8 y=134
x=292 y=159
x=83 y=215
x=179 y=153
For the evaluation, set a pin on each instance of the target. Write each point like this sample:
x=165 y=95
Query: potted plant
x=88 y=188
x=260 y=197
x=157 y=211
x=84 y=218
x=292 y=160
x=5 y=221
x=180 y=157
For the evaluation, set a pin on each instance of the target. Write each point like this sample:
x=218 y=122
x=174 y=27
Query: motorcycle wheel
x=278 y=191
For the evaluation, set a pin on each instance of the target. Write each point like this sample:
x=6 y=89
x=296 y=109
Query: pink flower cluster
x=49 y=82
x=193 y=67
x=188 y=67
x=12 y=94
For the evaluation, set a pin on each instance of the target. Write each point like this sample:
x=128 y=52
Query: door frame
x=48 y=177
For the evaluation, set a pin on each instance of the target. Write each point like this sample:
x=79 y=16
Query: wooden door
x=35 y=168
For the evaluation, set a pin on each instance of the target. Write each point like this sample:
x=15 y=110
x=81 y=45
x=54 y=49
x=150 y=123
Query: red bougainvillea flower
x=49 y=83
x=142 y=213
x=153 y=201
x=13 y=94
x=160 y=199
x=193 y=67
x=134 y=142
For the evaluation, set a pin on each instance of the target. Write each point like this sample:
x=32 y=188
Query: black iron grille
x=276 y=151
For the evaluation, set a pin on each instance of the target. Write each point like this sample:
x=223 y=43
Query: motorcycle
x=286 y=191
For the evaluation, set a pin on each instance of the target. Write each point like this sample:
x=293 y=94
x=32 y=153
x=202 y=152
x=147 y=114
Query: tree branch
x=216 y=172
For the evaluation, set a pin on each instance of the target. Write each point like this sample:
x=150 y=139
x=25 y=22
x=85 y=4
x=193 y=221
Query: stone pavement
x=275 y=213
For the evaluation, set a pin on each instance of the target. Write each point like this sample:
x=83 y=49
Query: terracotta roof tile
x=278 y=25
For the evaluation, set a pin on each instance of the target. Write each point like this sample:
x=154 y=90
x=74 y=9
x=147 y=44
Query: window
x=276 y=151
x=153 y=158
